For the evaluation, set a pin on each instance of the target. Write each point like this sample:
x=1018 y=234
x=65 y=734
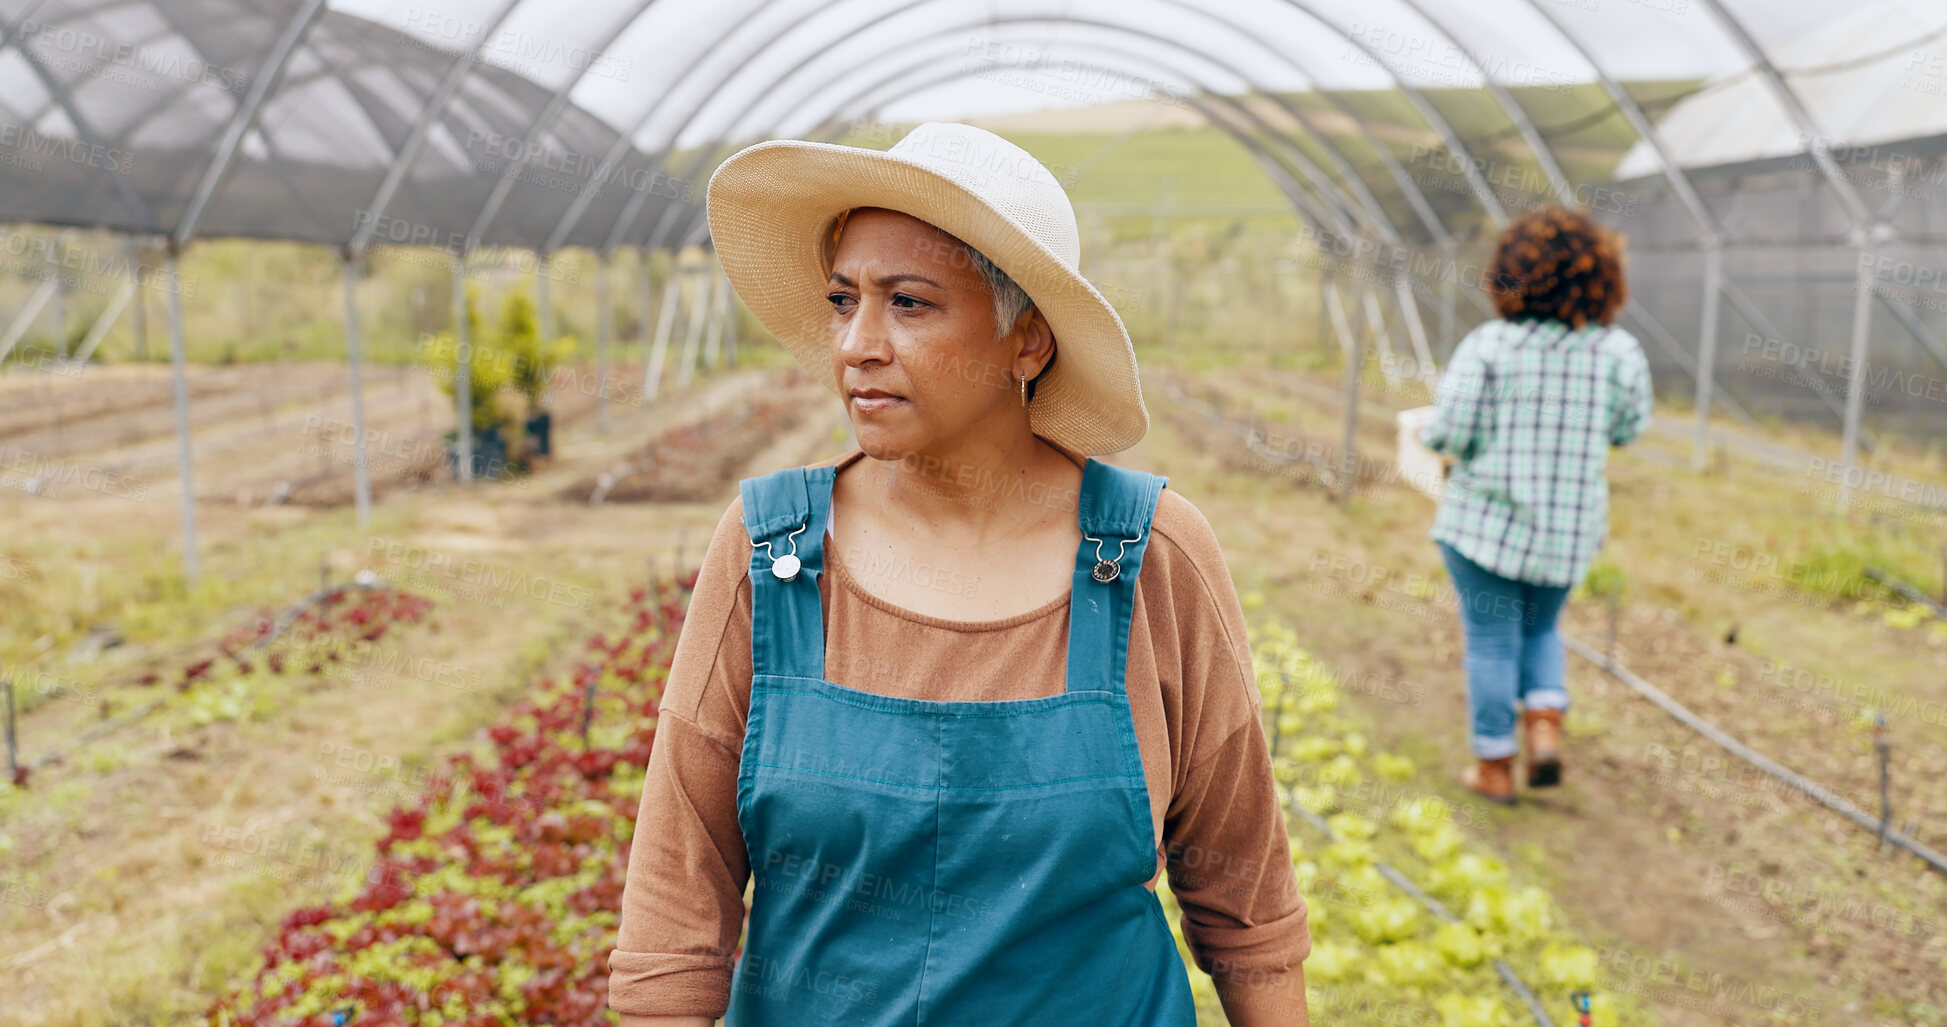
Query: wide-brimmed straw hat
x=773 y=208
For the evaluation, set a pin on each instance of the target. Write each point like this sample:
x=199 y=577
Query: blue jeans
x=1513 y=651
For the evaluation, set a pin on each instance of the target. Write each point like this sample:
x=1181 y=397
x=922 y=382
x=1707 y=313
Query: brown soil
x=703 y=461
x=1663 y=852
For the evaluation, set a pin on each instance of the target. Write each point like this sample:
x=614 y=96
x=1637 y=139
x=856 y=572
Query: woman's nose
x=863 y=336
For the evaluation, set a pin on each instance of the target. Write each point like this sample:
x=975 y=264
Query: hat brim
x=771 y=205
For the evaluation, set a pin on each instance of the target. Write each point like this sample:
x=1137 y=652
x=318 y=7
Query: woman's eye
x=838 y=300
x=911 y=302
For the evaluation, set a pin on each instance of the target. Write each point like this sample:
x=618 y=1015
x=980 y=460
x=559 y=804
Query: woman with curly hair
x=1527 y=411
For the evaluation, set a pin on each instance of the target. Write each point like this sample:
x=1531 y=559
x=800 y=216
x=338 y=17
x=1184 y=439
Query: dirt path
x=36 y=400
x=139 y=427
x=257 y=433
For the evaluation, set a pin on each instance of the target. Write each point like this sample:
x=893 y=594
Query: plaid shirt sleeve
x=1460 y=419
x=1629 y=389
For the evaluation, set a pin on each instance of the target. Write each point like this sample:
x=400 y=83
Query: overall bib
x=945 y=862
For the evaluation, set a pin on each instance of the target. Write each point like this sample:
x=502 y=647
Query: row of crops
x=493 y=900
x=1380 y=956
x=326 y=634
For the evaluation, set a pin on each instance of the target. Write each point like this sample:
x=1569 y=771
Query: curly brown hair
x=1557 y=263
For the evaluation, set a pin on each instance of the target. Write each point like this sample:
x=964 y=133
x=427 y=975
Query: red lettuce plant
x=494 y=900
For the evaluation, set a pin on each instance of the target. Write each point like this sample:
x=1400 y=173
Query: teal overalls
x=934 y=862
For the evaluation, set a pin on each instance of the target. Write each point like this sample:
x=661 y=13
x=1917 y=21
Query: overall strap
x=1117 y=507
x=785 y=514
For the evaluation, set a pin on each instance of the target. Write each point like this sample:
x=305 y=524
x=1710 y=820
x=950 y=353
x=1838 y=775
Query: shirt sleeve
x=1458 y=426
x=1225 y=839
x=1630 y=394
x=683 y=898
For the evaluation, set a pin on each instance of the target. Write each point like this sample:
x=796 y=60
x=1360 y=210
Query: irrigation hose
x=1757 y=759
x=1906 y=591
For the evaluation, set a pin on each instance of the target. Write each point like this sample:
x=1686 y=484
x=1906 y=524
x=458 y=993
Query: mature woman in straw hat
x=949 y=704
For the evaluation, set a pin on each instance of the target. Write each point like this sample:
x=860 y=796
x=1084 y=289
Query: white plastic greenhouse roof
x=539 y=124
x=1875 y=74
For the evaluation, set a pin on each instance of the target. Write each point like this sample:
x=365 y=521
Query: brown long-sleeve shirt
x=1192 y=692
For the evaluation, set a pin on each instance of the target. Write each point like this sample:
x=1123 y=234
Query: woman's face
x=913 y=341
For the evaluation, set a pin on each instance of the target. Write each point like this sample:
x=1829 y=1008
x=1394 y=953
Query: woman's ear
x=1038 y=338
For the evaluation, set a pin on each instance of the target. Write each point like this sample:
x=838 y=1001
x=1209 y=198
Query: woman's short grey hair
x=1010 y=300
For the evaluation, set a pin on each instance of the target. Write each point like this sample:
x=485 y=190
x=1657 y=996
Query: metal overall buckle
x=786 y=567
x=1106 y=571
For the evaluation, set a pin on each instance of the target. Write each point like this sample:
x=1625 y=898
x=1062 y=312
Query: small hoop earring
x=1024 y=390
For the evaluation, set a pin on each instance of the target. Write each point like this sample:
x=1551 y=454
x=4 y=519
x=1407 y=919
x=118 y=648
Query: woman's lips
x=876 y=404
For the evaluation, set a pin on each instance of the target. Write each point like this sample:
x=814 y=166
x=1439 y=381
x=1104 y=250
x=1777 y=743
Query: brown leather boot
x=1493 y=780
x=1541 y=734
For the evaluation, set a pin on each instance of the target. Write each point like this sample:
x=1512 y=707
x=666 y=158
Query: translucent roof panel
x=114 y=114
x=1875 y=73
x=109 y=118
x=508 y=122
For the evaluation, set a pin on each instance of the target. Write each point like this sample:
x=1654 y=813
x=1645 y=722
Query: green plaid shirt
x=1529 y=410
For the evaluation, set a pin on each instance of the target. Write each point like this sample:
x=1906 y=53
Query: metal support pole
x=462 y=377
x=354 y=359
x=645 y=298
x=1914 y=326
x=141 y=322
x=713 y=349
x=1353 y=353
x=603 y=317
x=58 y=311
x=730 y=318
x=1349 y=459
x=25 y=319
x=652 y=376
x=1449 y=284
x=1648 y=327
x=99 y=330
x=178 y=363
x=1335 y=312
x=1750 y=311
x=1707 y=351
x=1324 y=315
x=1862 y=319
x=543 y=296
x=693 y=330
x=1382 y=335
x=1409 y=309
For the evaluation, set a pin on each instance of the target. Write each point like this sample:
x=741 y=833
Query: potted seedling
x=488 y=369
x=533 y=361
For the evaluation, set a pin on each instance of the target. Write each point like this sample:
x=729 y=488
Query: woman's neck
x=976 y=494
